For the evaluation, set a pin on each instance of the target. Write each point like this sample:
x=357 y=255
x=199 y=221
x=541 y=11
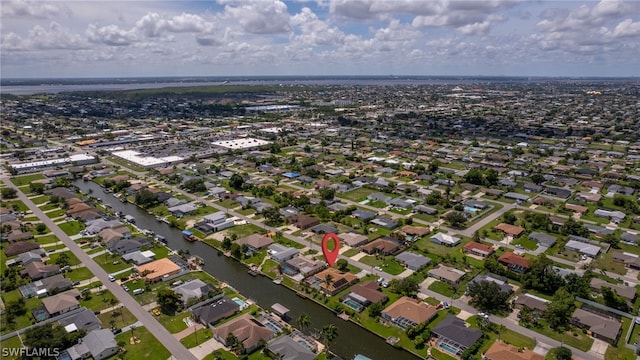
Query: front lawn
x=79 y=274
x=442 y=288
x=121 y=316
x=357 y=195
x=39 y=199
x=73 y=260
x=71 y=227
x=174 y=324
x=111 y=263
x=197 y=338
x=56 y=214
x=47 y=239
x=99 y=300
x=147 y=346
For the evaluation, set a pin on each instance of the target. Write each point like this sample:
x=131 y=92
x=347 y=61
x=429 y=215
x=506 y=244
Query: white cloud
x=37 y=9
x=259 y=16
x=314 y=31
x=54 y=37
x=627 y=28
x=111 y=35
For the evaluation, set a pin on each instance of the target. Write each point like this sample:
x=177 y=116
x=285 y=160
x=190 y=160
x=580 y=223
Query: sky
x=319 y=37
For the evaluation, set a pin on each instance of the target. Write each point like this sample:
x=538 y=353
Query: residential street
x=169 y=341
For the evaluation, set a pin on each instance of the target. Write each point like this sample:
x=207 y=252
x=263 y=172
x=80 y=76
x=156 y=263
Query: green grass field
x=148 y=346
x=71 y=227
x=26 y=179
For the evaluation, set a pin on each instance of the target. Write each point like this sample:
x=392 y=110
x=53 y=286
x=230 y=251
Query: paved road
x=174 y=346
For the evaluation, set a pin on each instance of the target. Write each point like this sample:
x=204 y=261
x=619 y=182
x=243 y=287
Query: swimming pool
x=240 y=303
x=470 y=209
x=353 y=304
x=448 y=348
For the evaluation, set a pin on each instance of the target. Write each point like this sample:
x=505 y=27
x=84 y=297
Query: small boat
x=277 y=281
x=252 y=272
x=158 y=217
x=302 y=295
x=188 y=235
x=161 y=239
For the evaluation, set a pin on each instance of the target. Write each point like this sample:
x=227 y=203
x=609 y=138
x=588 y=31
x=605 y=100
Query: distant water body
x=53 y=86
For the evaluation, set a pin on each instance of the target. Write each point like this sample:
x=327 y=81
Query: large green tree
x=560 y=309
x=407 y=286
x=612 y=299
x=488 y=297
x=168 y=300
x=542 y=276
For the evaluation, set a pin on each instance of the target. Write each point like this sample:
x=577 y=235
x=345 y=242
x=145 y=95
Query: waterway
x=351 y=340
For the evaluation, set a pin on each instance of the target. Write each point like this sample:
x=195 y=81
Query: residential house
x=445 y=239
x=509 y=230
x=380 y=197
x=126 y=246
x=576 y=208
x=582 y=247
x=456 y=337
x=413 y=261
x=406 y=312
x=62 y=302
x=449 y=275
x=370 y=291
x=543 y=239
x=514 y=262
x=324 y=229
x=615 y=216
x=255 y=242
x=47 y=286
x=383 y=246
x=353 y=239
x=182 y=210
x=339 y=280
x=516 y=196
x=423 y=209
x=158 y=269
x=629 y=260
x=286 y=348
x=537 y=304
x=20 y=247
x=280 y=253
x=95 y=226
x=477 y=249
x=600 y=327
x=413 y=233
x=385 y=222
x=558 y=192
x=98 y=344
x=30 y=256
x=503 y=351
x=363 y=215
x=303 y=266
x=218 y=221
x=83 y=320
x=629 y=238
x=139 y=257
x=194 y=289
x=501 y=281
x=302 y=221
x=38 y=270
x=217 y=309
x=627 y=292
x=246 y=329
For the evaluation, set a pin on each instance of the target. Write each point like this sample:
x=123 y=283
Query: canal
x=351 y=340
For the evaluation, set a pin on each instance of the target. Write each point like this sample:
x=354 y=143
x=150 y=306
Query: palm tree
x=303 y=321
x=328 y=280
x=329 y=333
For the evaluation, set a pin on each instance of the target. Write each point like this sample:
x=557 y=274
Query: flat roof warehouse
x=245 y=143
x=146 y=161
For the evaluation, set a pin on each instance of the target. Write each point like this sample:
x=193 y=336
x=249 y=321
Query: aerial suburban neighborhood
x=477 y=219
